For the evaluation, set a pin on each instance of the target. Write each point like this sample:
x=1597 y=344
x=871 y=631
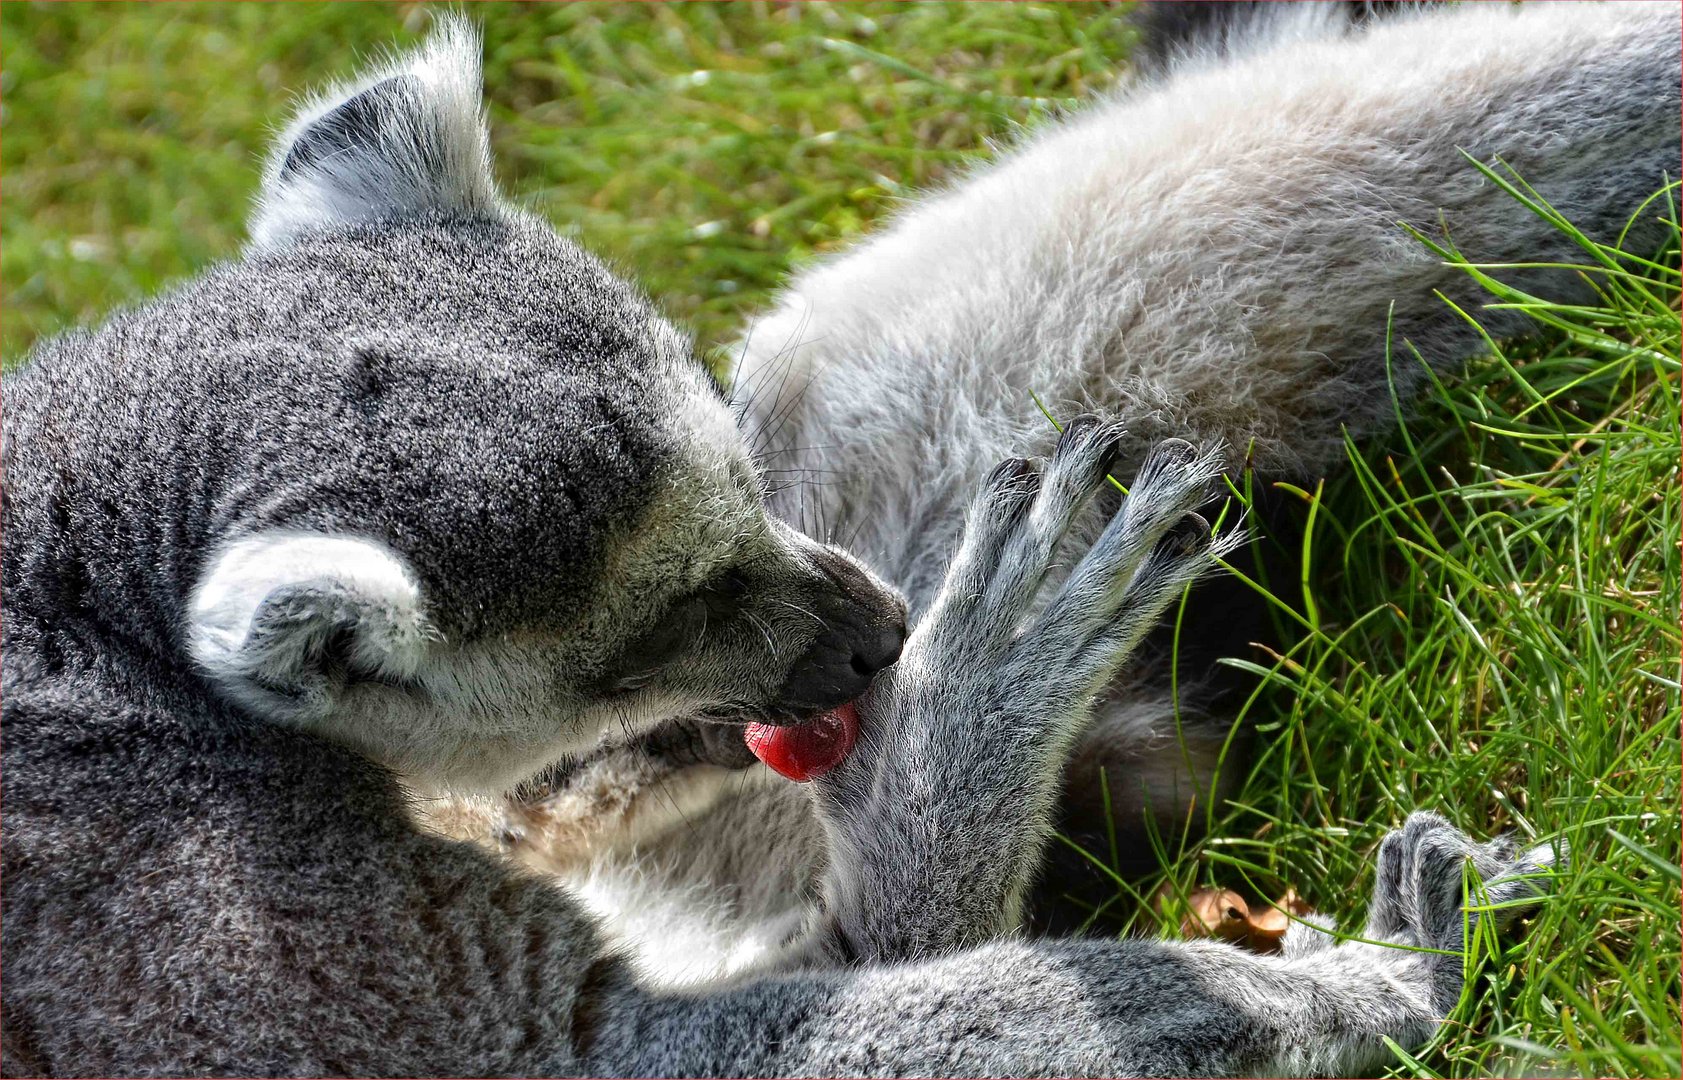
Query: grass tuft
x=1487 y=625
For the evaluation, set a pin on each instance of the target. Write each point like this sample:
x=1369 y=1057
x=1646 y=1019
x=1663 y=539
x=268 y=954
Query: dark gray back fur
x=427 y=386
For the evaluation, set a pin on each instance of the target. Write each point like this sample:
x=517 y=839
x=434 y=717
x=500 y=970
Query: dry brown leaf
x=1267 y=927
x=1219 y=913
x=1223 y=914
x=1295 y=904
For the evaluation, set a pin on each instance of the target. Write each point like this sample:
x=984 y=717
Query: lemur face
x=727 y=612
x=487 y=506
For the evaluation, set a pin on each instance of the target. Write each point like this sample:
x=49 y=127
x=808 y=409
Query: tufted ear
x=408 y=137
x=282 y=621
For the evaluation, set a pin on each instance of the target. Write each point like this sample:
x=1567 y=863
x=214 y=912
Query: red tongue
x=803 y=751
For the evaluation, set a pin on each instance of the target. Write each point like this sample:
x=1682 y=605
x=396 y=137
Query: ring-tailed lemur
x=415 y=495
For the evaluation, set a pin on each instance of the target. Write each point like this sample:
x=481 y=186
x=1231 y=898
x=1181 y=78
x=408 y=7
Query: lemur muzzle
x=864 y=629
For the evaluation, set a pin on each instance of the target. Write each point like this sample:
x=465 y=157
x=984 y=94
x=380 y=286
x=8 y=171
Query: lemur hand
x=939 y=815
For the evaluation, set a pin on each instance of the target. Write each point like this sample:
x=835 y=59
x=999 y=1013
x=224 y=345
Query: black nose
x=864 y=629
x=839 y=665
x=872 y=656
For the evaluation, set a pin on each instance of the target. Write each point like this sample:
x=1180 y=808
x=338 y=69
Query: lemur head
x=480 y=503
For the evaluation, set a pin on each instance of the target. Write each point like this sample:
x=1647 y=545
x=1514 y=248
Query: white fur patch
x=326 y=582
x=426 y=150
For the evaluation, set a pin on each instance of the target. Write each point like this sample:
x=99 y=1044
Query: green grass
x=1489 y=626
x=704 y=148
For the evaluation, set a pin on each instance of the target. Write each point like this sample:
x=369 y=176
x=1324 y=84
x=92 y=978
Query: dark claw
x=1076 y=430
x=1186 y=536
x=1112 y=453
x=1174 y=452
x=1011 y=471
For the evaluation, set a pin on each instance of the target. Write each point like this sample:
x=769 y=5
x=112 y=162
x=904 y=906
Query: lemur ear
x=283 y=621
x=408 y=137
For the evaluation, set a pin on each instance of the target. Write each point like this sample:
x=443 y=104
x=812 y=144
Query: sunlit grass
x=702 y=147
x=1488 y=627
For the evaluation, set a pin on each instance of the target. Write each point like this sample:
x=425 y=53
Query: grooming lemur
x=414 y=497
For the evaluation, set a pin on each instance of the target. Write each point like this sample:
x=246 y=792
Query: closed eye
x=724 y=594
x=669 y=636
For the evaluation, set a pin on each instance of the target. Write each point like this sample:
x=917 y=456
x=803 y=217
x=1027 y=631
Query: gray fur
x=1215 y=254
x=512 y=484
x=475 y=396
x=1166 y=256
x=408 y=133
x=1179 y=34
x=1133 y=1008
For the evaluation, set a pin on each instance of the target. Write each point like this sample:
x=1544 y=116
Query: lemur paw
x=1423 y=897
x=971 y=728
x=1153 y=546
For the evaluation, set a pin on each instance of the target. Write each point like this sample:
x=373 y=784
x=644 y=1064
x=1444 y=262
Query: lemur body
x=415 y=497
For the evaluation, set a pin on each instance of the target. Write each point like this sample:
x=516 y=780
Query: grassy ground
x=1489 y=625
x=703 y=147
